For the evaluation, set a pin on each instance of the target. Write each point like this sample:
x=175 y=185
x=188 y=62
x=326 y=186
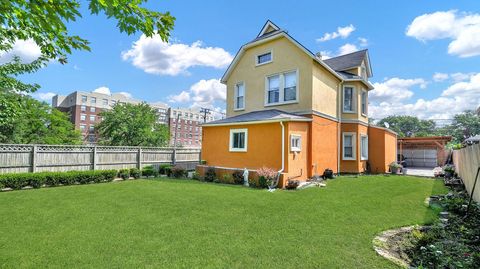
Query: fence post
x=139 y=158
x=34 y=158
x=174 y=156
x=94 y=162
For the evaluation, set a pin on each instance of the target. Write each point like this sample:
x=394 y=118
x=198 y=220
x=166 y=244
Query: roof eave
x=254 y=122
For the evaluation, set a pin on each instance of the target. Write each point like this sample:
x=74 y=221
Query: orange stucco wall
x=264 y=146
x=381 y=149
x=324 y=141
x=357 y=165
x=296 y=167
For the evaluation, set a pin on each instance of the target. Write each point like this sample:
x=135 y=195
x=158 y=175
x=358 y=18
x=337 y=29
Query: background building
x=84 y=109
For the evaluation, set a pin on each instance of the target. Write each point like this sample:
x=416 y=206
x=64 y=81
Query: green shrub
x=238 y=177
x=196 y=176
x=37 y=180
x=149 y=171
x=178 y=172
x=165 y=169
x=135 y=173
x=124 y=173
x=227 y=179
x=210 y=174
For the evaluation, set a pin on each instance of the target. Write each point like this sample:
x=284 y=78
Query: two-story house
x=290 y=110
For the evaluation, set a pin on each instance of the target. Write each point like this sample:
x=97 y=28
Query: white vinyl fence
x=39 y=158
x=467 y=161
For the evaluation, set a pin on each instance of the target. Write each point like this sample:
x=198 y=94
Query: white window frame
x=362 y=157
x=83 y=117
x=354 y=106
x=294 y=137
x=364 y=113
x=83 y=108
x=235 y=95
x=281 y=88
x=93 y=109
x=234 y=131
x=354 y=146
x=263 y=53
x=90 y=118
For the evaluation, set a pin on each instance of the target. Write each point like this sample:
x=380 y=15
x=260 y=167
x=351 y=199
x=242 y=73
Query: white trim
x=354 y=146
x=281 y=88
x=234 y=131
x=355 y=121
x=366 y=102
x=354 y=92
x=263 y=53
x=361 y=147
x=299 y=137
x=265 y=27
x=254 y=122
x=317 y=113
x=235 y=96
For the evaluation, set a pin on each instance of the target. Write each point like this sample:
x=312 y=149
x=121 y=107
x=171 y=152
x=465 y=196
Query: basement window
x=238 y=140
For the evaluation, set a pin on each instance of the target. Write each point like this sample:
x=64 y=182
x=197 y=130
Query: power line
x=205 y=111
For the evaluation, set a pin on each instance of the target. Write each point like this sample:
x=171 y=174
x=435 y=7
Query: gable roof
x=261 y=116
x=265 y=37
x=268 y=25
x=350 y=60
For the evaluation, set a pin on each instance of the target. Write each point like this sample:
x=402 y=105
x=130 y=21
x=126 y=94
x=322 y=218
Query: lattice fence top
x=8 y=147
x=84 y=148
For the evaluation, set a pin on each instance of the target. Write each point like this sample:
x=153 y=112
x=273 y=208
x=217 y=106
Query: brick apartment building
x=84 y=109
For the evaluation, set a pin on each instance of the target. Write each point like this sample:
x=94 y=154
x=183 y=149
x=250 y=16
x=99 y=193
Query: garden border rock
x=381 y=240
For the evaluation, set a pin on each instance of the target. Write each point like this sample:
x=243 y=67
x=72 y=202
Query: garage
x=423 y=151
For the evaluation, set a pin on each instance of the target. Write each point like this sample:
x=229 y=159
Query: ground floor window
x=349 y=146
x=238 y=139
x=295 y=142
x=364 y=147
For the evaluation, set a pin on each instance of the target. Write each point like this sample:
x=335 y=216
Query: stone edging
x=380 y=240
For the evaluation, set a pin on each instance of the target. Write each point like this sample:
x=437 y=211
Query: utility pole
x=205 y=111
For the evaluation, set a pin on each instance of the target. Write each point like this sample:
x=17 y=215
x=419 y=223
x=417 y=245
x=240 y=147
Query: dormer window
x=264 y=58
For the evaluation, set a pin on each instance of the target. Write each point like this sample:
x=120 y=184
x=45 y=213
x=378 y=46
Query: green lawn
x=189 y=224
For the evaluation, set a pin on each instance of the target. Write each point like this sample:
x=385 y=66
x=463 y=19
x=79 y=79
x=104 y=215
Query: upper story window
x=92 y=109
x=364 y=102
x=348 y=99
x=93 y=100
x=84 y=99
x=83 y=117
x=105 y=102
x=83 y=108
x=264 y=58
x=240 y=96
x=281 y=88
x=113 y=102
x=92 y=118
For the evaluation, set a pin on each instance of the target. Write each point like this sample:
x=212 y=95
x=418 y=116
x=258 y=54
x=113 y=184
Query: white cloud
x=347 y=48
x=126 y=94
x=457 y=98
x=462 y=28
x=363 y=42
x=27 y=50
x=457 y=77
x=154 y=56
x=394 y=89
x=44 y=96
x=342 y=32
x=204 y=93
x=103 y=89
x=439 y=77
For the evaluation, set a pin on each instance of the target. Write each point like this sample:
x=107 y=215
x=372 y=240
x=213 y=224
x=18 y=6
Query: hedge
x=37 y=180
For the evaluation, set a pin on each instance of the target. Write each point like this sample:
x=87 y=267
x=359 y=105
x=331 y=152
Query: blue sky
x=445 y=40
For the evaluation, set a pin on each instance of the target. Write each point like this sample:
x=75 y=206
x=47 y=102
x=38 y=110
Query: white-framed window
x=348 y=148
x=105 y=102
x=363 y=147
x=238 y=140
x=239 y=96
x=83 y=108
x=92 y=109
x=83 y=117
x=295 y=142
x=264 y=58
x=84 y=99
x=93 y=100
x=91 y=129
x=281 y=88
x=83 y=127
x=92 y=117
x=113 y=102
x=348 y=99
x=364 y=102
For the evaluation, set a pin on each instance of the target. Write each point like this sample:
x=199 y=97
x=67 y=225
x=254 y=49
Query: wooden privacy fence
x=40 y=158
x=466 y=162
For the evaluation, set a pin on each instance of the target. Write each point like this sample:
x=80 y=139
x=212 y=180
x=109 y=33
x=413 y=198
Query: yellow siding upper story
x=285 y=57
x=325 y=87
x=357 y=114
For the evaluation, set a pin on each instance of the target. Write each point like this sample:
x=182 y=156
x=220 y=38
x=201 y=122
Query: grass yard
x=190 y=224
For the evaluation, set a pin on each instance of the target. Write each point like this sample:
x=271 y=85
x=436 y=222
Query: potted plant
x=449 y=170
x=395 y=168
x=328 y=174
x=292 y=184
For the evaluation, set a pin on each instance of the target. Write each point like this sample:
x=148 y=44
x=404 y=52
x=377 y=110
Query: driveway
x=420 y=171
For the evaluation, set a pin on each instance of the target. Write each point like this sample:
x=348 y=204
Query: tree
x=464 y=125
x=34 y=122
x=132 y=125
x=44 y=23
x=409 y=125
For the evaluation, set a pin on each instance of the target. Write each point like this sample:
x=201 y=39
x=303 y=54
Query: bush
x=265 y=176
x=165 y=169
x=210 y=174
x=37 y=180
x=135 y=173
x=227 y=179
x=238 y=177
x=178 y=172
x=124 y=173
x=149 y=171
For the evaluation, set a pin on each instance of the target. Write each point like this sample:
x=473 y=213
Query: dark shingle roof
x=346 y=61
x=262 y=115
x=346 y=75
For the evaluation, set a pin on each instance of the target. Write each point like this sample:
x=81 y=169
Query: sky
x=425 y=55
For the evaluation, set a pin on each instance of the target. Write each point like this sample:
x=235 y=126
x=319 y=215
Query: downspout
x=283 y=150
x=339 y=135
